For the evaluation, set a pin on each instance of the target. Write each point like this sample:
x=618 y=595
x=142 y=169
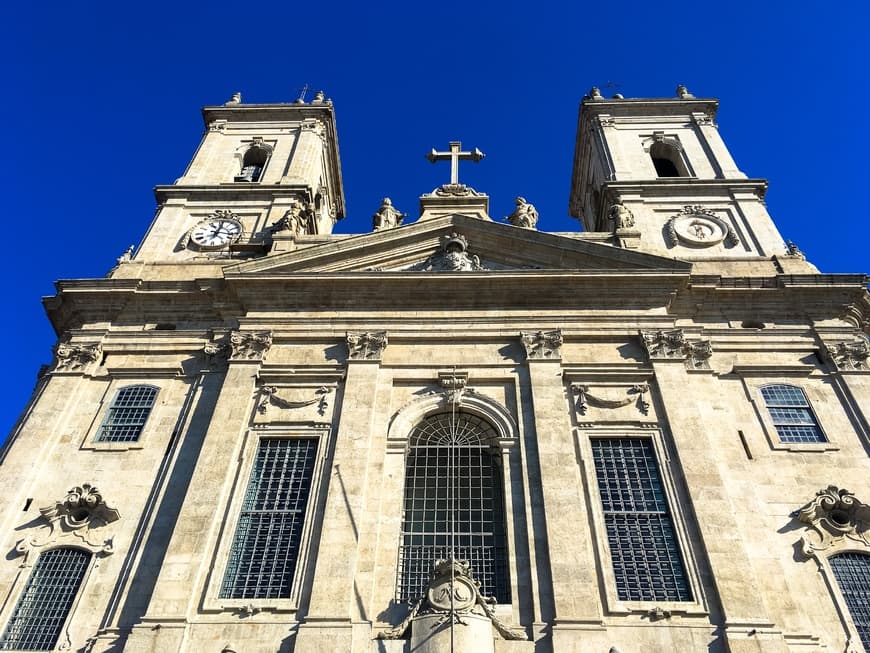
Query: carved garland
x=269 y=397
x=636 y=394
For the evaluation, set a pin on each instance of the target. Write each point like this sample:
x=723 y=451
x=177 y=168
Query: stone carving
x=366 y=345
x=525 y=215
x=854 y=315
x=620 y=216
x=794 y=250
x=79 y=513
x=453 y=593
x=456 y=190
x=542 y=344
x=698 y=227
x=235 y=99
x=636 y=394
x=387 y=216
x=249 y=345
x=451 y=257
x=702 y=119
x=74 y=357
x=683 y=93
x=269 y=396
x=454 y=384
x=850 y=355
x=836 y=519
x=605 y=120
x=672 y=344
x=595 y=94
x=297 y=219
x=657 y=614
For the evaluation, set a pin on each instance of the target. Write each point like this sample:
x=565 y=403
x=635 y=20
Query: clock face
x=215 y=233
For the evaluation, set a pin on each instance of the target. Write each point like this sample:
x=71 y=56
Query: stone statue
x=525 y=215
x=621 y=216
x=387 y=216
x=683 y=93
x=295 y=219
x=595 y=94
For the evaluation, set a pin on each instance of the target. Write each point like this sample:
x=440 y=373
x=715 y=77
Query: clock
x=215 y=233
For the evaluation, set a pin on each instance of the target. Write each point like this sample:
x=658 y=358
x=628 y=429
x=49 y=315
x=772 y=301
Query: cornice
x=668 y=185
x=165 y=192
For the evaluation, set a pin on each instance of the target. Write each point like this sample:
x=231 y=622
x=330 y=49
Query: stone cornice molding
x=366 y=345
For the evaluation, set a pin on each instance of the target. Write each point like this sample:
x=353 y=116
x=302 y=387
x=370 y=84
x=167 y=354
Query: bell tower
x=263 y=173
x=657 y=173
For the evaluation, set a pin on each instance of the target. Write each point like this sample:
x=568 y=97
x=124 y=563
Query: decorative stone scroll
x=697 y=226
x=366 y=345
x=850 y=356
x=671 y=344
x=77 y=515
x=452 y=256
x=249 y=345
x=269 y=397
x=451 y=595
x=635 y=394
x=837 y=520
x=76 y=357
x=542 y=344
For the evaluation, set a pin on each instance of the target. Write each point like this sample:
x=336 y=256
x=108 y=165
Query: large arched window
x=44 y=605
x=852 y=571
x=791 y=414
x=454 y=504
x=127 y=414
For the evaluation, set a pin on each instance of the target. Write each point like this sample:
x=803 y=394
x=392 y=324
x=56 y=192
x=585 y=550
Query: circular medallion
x=463 y=595
x=215 y=233
x=697 y=229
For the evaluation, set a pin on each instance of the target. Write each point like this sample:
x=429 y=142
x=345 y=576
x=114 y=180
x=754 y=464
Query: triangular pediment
x=477 y=245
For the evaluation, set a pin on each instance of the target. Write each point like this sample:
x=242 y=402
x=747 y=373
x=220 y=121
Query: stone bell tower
x=658 y=174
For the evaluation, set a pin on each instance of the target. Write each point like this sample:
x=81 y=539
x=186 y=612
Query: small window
x=644 y=549
x=38 y=618
x=127 y=414
x=253 y=163
x=262 y=560
x=791 y=414
x=852 y=571
x=667 y=160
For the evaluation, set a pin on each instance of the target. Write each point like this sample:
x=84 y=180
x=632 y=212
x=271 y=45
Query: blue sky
x=102 y=103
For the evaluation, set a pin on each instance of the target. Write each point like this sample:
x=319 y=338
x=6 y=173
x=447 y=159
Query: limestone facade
x=661 y=326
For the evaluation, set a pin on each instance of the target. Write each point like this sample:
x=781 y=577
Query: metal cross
x=455 y=155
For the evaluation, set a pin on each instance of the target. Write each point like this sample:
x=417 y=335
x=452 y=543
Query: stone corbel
x=269 y=396
x=249 y=345
x=836 y=520
x=76 y=357
x=542 y=344
x=636 y=394
x=850 y=356
x=366 y=345
x=671 y=344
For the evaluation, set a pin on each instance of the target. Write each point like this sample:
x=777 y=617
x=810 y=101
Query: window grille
x=643 y=545
x=42 y=610
x=791 y=414
x=852 y=571
x=127 y=414
x=265 y=548
x=453 y=502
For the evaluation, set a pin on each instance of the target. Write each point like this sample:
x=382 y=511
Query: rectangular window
x=127 y=414
x=643 y=544
x=265 y=548
x=791 y=414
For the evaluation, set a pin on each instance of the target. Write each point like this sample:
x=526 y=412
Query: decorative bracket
x=76 y=357
x=542 y=344
x=837 y=520
x=249 y=345
x=366 y=345
x=672 y=345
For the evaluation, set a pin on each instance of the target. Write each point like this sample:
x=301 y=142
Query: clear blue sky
x=102 y=103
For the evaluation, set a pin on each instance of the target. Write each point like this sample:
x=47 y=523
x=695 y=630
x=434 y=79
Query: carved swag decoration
x=850 y=355
x=269 y=396
x=81 y=512
x=636 y=394
x=542 y=344
x=672 y=345
x=453 y=593
x=836 y=519
x=366 y=345
x=75 y=357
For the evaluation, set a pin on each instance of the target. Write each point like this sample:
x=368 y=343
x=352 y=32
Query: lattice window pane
x=852 y=571
x=42 y=610
x=647 y=562
x=453 y=502
x=791 y=414
x=127 y=414
x=265 y=548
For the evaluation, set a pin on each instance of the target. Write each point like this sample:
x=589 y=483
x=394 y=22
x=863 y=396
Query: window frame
x=840 y=602
x=113 y=388
x=769 y=426
x=229 y=521
x=615 y=605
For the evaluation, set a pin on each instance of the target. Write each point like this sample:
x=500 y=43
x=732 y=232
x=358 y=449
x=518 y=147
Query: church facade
x=451 y=433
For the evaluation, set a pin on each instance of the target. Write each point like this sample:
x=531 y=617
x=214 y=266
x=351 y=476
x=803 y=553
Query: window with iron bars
x=453 y=505
x=38 y=618
x=127 y=414
x=265 y=548
x=645 y=553
x=791 y=414
x=852 y=571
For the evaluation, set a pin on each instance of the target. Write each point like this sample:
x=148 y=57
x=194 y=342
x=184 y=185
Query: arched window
x=454 y=504
x=253 y=163
x=667 y=160
x=791 y=414
x=852 y=571
x=44 y=605
x=127 y=414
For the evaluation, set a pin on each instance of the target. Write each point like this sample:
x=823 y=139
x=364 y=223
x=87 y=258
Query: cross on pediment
x=455 y=155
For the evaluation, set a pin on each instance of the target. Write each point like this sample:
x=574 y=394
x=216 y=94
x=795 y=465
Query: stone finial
x=683 y=93
x=794 y=250
x=235 y=99
x=387 y=216
x=525 y=215
x=595 y=94
x=249 y=345
x=366 y=345
x=318 y=98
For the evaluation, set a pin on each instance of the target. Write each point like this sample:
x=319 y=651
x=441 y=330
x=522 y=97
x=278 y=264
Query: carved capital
x=671 y=344
x=836 y=519
x=542 y=344
x=366 y=345
x=249 y=345
x=76 y=357
x=850 y=356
